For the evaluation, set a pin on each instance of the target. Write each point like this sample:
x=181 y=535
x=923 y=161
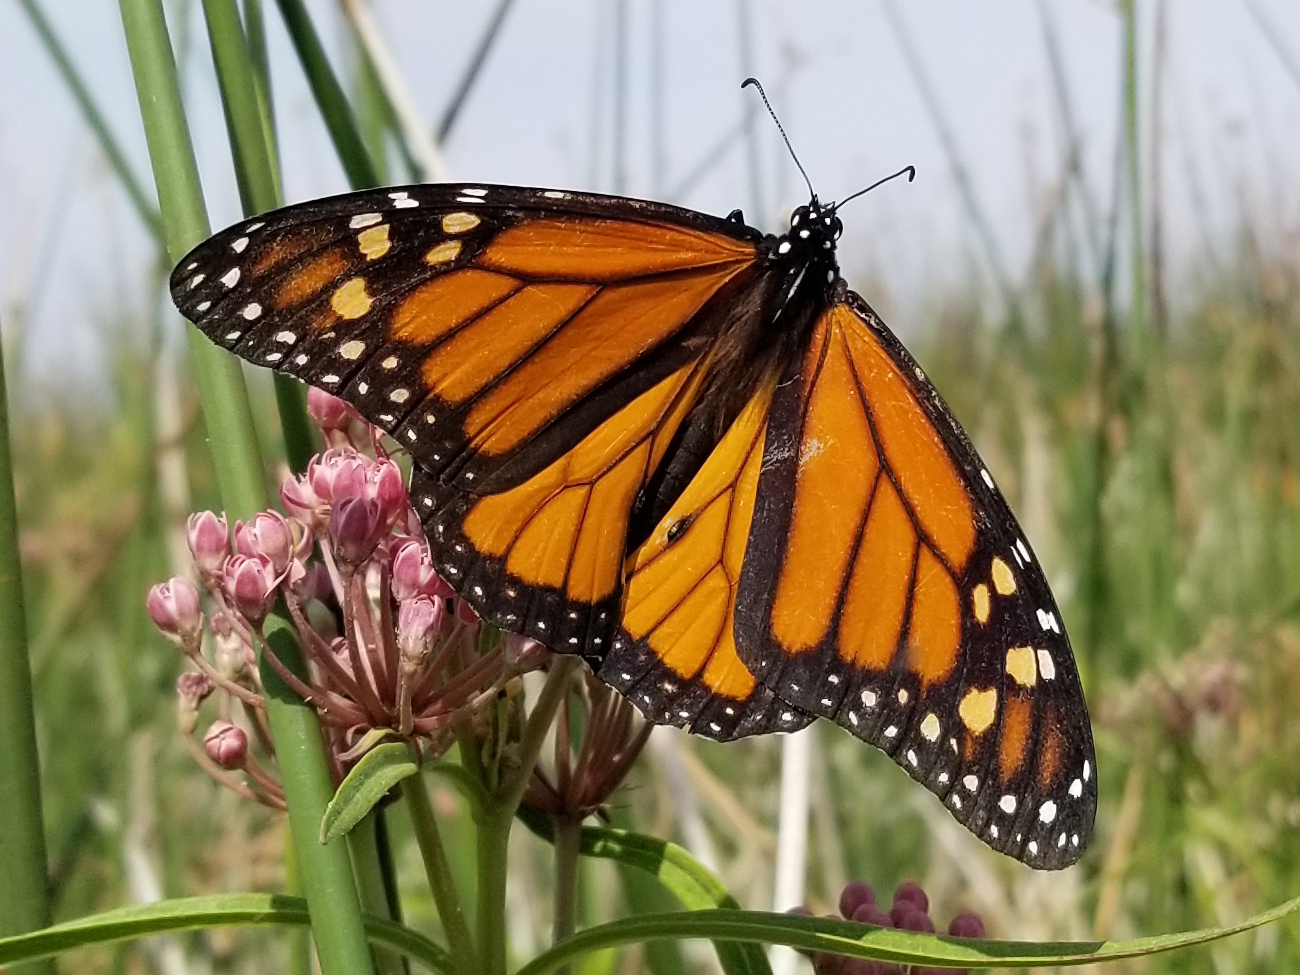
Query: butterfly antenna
x=780 y=128
x=911 y=175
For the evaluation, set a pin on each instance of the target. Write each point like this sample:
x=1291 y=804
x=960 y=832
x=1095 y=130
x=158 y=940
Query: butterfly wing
x=886 y=586
x=675 y=654
x=535 y=350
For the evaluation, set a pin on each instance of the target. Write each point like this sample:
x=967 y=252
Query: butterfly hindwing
x=887 y=587
x=675 y=654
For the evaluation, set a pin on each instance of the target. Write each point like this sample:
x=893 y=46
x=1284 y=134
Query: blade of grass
x=211 y=911
x=452 y=111
x=326 y=871
x=24 y=892
x=331 y=101
x=135 y=190
x=259 y=183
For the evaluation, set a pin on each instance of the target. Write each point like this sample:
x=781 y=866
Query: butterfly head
x=814 y=229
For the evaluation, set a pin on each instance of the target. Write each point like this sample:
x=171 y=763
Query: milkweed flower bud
x=267 y=534
x=174 y=607
x=192 y=689
x=208 y=536
x=413 y=573
x=389 y=489
x=355 y=527
x=250 y=582
x=329 y=412
x=418 y=622
x=226 y=744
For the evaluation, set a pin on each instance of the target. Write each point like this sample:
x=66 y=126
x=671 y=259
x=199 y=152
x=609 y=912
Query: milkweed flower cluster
x=388 y=645
x=910 y=911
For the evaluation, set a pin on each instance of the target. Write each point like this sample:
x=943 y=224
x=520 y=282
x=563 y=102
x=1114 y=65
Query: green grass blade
x=882 y=944
x=212 y=911
x=145 y=208
x=256 y=170
x=24 y=894
x=333 y=104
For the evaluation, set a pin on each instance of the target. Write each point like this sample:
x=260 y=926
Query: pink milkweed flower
x=268 y=534
x=192 y=689
x=329 y=412
x=208 y=536
x=174 y=608
x=250 y=582
x=419 y=621
x=355 y=527
x=385 y=480
x=413 y=572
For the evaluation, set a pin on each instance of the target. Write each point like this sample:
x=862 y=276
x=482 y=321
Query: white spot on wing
x=239 y=245
x=364 y=220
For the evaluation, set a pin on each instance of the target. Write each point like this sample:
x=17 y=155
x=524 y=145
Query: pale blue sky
x=71 y=249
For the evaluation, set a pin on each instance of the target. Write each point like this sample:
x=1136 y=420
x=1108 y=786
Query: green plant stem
x=300 y=939
x=145 y=208
x=333 y=104
x=436 y=866
x=499 y=813
x=24 y=888
x=304 y=771
x=363 y=844
x=568 y=834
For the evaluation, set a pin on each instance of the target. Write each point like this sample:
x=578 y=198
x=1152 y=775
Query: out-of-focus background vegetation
x=1099 y=266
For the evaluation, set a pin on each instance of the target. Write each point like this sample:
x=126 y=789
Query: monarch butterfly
x=685 y=450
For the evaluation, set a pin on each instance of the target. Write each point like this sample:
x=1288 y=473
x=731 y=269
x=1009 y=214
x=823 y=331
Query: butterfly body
x=685 y=450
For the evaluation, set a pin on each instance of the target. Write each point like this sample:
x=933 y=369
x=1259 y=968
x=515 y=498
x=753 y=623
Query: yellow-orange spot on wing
x=979 y=603
x=875 y=603
x=472 y=358
x=597 y=556
x=350 y=299
x=309 y=279
x=836 y=472
x=977 y=709
x=935 y=631
x=373 y=242
x=617 y=327
x=445 y=303
x=1022 y=666
x=913 y=447
x=458 y=223
x=606 y=250
x=443 y=253
x=1017 y=721
x=1003 y=581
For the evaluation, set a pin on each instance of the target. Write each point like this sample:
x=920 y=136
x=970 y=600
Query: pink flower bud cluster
x=910 y=911
x=388 y=644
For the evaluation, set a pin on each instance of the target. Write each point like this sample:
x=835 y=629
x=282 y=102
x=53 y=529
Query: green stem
x=445 y=896
x=363 y=844
x=330 y=99
x=24 y=889
x=499 y=813
x=568 y=837
x=299 y=939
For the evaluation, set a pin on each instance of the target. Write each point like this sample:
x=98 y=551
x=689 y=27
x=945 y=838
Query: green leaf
x=686 y=878
x=214 y=911
x=867 y=941
x=379 y=770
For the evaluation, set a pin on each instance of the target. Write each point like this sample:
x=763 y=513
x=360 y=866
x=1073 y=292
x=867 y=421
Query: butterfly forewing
x=887 y=587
